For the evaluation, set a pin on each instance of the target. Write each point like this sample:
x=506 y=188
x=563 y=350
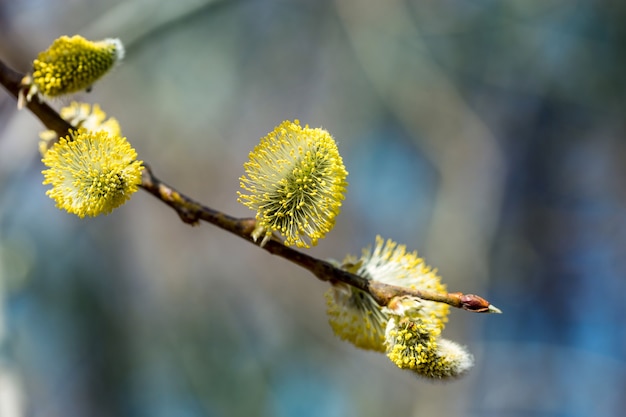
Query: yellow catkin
x=354 y=315
x=82 y=115
x=91 y=173
x=295 y=181
x=72 y=64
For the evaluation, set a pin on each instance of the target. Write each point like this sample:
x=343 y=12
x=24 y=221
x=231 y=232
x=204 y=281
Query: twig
x=12 y=81
x=191 y=212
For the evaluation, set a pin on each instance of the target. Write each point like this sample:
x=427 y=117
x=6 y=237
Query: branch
x=12 y=81
x=191 y=212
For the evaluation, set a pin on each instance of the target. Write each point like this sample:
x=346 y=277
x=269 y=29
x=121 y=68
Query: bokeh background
x=487 y=135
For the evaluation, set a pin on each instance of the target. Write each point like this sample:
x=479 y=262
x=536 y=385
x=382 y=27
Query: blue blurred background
x=487 y=135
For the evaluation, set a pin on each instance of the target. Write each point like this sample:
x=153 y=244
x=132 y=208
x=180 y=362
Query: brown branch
x=192 y=212
x=12 y=81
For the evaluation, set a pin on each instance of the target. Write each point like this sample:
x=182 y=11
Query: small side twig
x=192 y=212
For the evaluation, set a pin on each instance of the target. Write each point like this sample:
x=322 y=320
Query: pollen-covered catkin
x=72 y=64
x=295 y=181
x=91 y=173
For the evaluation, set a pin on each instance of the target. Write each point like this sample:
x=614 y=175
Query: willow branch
x=12 y=81
x=192 y=212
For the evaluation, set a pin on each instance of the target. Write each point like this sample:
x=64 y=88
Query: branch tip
x=494 y=309
x=476 y=304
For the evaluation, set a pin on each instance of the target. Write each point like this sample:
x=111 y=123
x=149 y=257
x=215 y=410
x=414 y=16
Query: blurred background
x=487 y=135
